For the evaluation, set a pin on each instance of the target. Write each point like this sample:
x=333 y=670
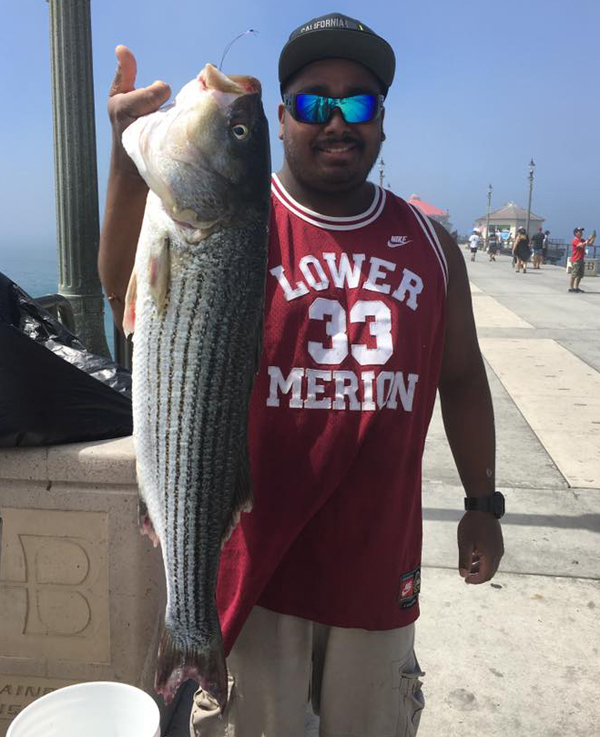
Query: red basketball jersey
x=353 y=342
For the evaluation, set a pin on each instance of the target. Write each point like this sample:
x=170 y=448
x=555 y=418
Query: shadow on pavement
x=580 y=522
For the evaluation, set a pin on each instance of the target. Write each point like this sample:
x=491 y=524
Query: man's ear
x=383 y=136
x=281 y=116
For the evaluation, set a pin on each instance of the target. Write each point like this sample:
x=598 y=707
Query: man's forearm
x=469 y=422
x=123 y=215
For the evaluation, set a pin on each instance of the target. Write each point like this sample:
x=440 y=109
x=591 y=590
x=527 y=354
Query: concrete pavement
x=520 y=656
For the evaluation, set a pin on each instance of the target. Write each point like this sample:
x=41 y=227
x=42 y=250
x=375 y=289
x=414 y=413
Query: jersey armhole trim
x=433 y=241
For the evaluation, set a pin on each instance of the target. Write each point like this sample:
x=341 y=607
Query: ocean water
x=36 y=271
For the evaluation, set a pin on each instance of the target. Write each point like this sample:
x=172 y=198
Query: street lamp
x=381 y=171
x=487 y=225
x=531 y=170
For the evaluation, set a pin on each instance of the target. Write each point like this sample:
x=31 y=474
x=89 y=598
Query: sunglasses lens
x=312 y=108
x=359 y=109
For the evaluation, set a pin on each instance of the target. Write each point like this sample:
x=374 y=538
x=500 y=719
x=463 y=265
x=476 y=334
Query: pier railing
x=60 y=308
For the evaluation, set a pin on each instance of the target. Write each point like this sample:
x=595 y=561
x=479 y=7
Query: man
x=545 y=246
x=367 y=312
x=578 y=246
x=537 y=242
x=474 y=243
x=493 y=245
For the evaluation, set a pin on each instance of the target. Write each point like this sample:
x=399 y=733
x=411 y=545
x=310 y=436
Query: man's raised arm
x=126 y=191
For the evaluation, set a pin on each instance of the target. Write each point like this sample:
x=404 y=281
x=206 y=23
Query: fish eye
x=240 y=131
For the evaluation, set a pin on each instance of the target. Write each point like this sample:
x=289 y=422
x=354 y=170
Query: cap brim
x=373 y=52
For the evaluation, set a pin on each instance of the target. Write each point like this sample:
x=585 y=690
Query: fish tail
x=177 y=663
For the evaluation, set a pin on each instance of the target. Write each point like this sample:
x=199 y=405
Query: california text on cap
x=336 y=36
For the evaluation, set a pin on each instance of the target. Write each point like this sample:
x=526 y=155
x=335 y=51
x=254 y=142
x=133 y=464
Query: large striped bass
x=195 y=304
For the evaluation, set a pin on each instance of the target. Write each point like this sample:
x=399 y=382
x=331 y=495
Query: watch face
x=498 y=504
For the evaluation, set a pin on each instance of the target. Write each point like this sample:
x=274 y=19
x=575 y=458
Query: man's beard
x=341 y=179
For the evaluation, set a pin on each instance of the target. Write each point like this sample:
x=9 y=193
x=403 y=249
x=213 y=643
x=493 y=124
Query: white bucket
x=95 y=709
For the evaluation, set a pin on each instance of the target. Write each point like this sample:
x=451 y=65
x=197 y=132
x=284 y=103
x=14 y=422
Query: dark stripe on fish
x=158 y=440
x=167 y=441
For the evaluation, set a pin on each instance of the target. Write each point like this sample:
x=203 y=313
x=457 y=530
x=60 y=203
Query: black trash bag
x=52 y=390
x=19 y=309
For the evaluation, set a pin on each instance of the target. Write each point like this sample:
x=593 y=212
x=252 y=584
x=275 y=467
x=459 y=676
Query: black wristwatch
x=493 y=504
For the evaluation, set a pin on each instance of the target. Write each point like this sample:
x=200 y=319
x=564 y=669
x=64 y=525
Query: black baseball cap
x=336 y=36
x=576 y=230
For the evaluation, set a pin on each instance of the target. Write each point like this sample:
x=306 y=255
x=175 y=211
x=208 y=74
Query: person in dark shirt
x=537 y=241
x=545 y=246
x=492 y=245
x=521 y=251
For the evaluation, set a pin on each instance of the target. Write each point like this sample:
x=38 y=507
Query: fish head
x=207 y=156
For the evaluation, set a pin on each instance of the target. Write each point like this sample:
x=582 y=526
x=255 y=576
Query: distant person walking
x=545 y=246
x=474 y=244
x=578 y=257
x=492 y=245
x=537 y=241
x=521 y=250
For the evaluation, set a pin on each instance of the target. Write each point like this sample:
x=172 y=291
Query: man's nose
x=336 y=124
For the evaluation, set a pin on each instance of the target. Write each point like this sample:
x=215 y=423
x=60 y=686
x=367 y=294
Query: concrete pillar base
x=81 y=591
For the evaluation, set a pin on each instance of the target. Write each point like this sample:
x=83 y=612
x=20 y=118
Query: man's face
x=335 y=156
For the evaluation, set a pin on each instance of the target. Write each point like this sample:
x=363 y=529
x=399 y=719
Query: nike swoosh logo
x=391 y=244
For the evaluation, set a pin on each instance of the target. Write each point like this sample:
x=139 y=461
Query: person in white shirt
x=474 y=244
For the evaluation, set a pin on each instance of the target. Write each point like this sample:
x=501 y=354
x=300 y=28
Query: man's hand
x=125 y=103
x=126 y=193
x=480 y=546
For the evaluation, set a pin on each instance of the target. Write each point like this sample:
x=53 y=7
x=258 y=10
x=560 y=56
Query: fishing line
x=230 y=44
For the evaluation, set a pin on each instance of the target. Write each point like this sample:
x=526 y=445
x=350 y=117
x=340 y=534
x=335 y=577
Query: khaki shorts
x=359 y=683
x=577 y=269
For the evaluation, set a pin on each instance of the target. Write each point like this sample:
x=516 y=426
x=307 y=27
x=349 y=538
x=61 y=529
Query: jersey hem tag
x=410 y=586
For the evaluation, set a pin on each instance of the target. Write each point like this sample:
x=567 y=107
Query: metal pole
x=531 y=168
x=78 y=228
x=487 y=225
x=381 y=171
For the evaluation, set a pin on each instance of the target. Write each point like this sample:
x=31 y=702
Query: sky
x=481 y=88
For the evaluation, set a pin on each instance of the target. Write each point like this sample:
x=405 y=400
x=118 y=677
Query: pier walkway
x=520 y=657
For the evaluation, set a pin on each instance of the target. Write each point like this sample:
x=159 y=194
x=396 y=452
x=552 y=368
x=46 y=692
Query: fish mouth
x=211 y=78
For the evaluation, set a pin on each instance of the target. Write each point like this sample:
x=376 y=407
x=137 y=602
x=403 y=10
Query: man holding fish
x=367 y=312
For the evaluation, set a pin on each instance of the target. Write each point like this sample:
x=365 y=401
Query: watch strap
x=493 y=503
x=479 y=503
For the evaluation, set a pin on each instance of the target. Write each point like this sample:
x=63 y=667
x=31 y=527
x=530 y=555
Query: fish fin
x=130 y=300
x=178 y=662
x=259 y=341
x=242 y=495
x=201 y=233
x=159 y=267
x=146 y=526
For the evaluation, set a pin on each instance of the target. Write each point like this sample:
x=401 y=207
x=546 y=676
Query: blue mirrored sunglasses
x=318 y=109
